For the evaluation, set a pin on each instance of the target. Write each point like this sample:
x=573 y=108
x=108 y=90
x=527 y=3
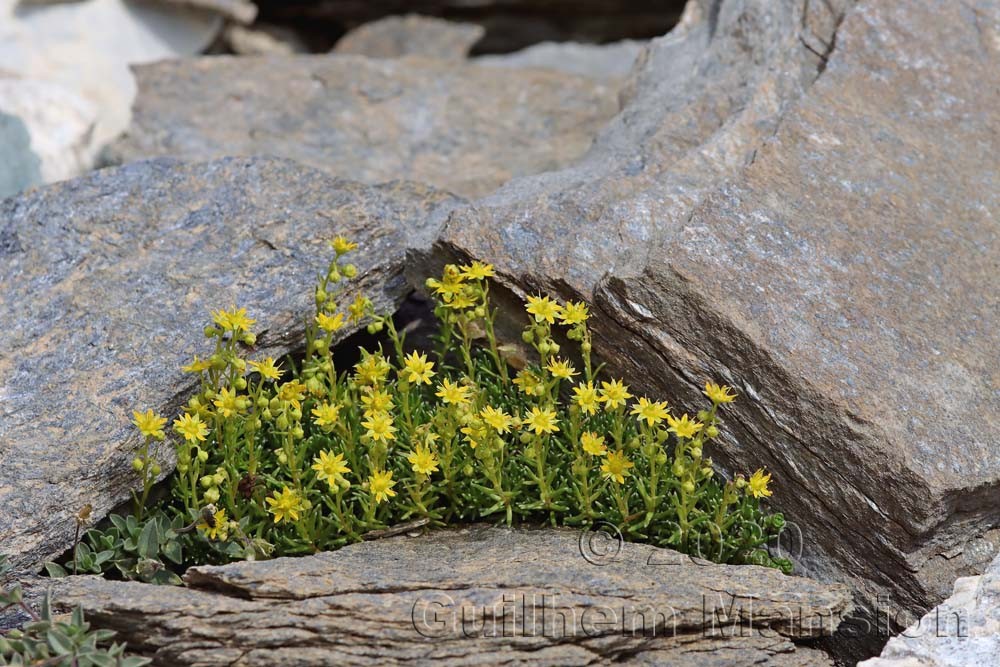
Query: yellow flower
x=593 y=444
x=380 y=484
x=684 y=427
x=616 y=466
x=652 y=411
x=477 y=271
x=267 y=369
x=358 y=308
x=380 y=428
x=541 y=421
x=544 y=309
x=292 y=392
x=423 y=461
x=376 y=401
x=585 y=396
x=417 y=369
x=326 y=415
x=498 y=419
x=460 y=301
x=197 y=366
x=218 y=529
x=561 y=368
x=330 y=467
x=328 y=323
x=757 y=484
x=372 y=369
x=285 y=506
x=527 y=382
x=474 y=434
x=718 y=394
x=574 y=312
x=342 y=246
x=149 y=424
x=451 y=282
x=227 y=402
x=614 y=394
x=233 y=320
x=191 y=427
x=453 y=394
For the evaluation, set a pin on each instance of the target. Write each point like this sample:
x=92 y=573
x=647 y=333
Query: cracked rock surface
x=799 y=199
x=466 y=597
x=106 y=283
x=452 y=125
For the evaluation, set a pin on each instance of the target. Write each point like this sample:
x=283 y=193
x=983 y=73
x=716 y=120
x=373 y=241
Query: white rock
x=59 y=123
x=87 y=47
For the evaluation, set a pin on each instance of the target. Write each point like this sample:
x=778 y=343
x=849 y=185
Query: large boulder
x=468 y=597
x=452 y=125
x=598 y=61
x=106 y=283
x=800 y=199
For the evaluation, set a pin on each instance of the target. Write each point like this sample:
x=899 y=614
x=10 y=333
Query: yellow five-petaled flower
x=757 y=484
x=417 y=370
x=718 y=394
x=330 y=467
x=453 y=393
x=543 y=308
x=561 y=369
x=652 y=411
x=498 y=419
x=326 y=415
x=191 y=427
x=614 y=394
x=380 y=485
x=585 y=396
x=380 y=428
x=684 y=427
x=285 y=506
x=267 y=369
x=330 y=323
x=149 y=424
x=541 y=421
x=593 y=444
x=616 y=466
x=422 y=460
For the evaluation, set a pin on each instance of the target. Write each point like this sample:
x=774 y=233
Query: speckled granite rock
x=803 y=204
x=447 y=124
x=467 y=597
x=411 y=35
x=106 y=283
x=963 y=631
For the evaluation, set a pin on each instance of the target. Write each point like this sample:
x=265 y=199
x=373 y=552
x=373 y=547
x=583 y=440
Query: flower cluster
x=304 y=454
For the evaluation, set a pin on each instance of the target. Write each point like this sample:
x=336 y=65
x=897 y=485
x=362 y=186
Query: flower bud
x=137 y=464
x=250 y=338
x=210 y=331
x=202 y=455
x=212 y=495
x=207 y=481
x=527 y=336
x=320 y=297
x=219 y=478
x=696 y=452
x=350 y=270
x=678 y=469
x=585 y=346
x=155 y=469
x=712 y=432
x=554 y=348
x=240 y=383
x=297 y=432
x=295 y=414
x=281 y=422
x=688 y=486
x=282 y=458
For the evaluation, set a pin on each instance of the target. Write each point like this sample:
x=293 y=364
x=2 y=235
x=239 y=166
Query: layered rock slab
x=106 y=283
x=799 y=199
x=467 y=597
x=452 y=125
x=411 y=35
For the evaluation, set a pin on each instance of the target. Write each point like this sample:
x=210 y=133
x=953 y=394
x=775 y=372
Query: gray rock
x=963 y=631
x=805 y=209
x=466 y=597
x=20 y=167
x=411 y=35
x=448 y=124
x=598 y=61
x=106 y=283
